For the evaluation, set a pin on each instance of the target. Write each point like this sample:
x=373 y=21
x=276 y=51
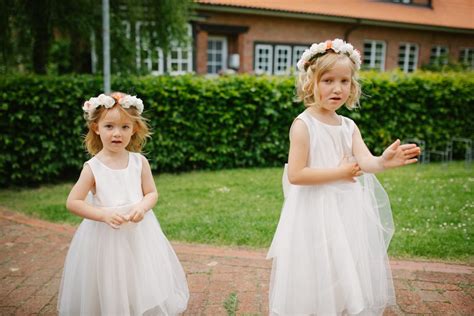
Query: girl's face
x=335 y=86
x=115 y=130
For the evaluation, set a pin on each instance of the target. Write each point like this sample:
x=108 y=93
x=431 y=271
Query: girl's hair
x=307 y=82
x=141 y=129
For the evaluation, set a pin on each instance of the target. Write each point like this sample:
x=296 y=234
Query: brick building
x=268 y=36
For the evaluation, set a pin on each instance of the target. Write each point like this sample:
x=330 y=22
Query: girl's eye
x=108 y=126
x=126 y=127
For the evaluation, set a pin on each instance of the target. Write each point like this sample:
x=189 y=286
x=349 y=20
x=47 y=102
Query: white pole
x=106 y=44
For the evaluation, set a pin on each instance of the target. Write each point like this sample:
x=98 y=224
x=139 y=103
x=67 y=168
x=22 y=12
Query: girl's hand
x=397 y=155
x=113 y=219
x=137 y=214
x=349 y=169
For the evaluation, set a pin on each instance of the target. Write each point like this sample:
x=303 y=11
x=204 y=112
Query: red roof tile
x=444 y=13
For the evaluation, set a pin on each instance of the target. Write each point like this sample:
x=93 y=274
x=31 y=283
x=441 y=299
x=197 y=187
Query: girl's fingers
x=395 y=145
x=411 y=151
x=410 y=161
x=137 y=218
x=408 y=146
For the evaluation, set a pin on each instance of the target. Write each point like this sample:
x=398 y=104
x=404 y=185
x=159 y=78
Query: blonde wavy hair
x=141 y=129
x=306 y=84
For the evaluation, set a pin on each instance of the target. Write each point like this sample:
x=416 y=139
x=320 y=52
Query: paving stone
x=411 y=302
x=32 y=255
x=441 y=308
x=434 y=286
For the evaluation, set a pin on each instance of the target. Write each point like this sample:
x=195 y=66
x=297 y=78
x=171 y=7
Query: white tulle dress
x=128 y=271
x=330 y=247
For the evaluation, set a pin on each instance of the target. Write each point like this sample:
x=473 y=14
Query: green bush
x=216 y=123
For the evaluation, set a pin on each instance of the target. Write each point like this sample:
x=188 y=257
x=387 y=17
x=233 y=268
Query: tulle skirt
x=330 y=250
x=128 y=271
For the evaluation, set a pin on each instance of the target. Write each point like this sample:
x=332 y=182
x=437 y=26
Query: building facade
x=252 y=36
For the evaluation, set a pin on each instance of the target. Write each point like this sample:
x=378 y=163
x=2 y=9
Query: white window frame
x=126 y=27
x=159 y=62
x=373 y=54
x=298 y=51
x=286 y=65
x=215 y=63
x=464 y=56
x=438 y=53
x=179 y=60
x=258 y=66
x=406 y=60
x=154 y=55
x=94 y=58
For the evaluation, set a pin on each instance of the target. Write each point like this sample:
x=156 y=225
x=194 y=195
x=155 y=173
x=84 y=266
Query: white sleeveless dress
x=132 y=270
x=330 y=247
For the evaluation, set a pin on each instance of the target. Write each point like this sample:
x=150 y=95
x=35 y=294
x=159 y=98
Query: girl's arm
x=395 y=155
x=150 y=195
x=298 y=171
x=77 y=205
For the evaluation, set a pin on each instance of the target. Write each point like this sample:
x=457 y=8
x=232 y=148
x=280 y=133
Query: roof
x=458 y=14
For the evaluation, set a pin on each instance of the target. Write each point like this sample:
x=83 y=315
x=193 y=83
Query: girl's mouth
x=116 y=142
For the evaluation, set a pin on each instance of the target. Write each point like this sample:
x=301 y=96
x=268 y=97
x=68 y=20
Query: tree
x=33 y=32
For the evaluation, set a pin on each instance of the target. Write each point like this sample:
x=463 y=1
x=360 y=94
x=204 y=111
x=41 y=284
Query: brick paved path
x=32 y=254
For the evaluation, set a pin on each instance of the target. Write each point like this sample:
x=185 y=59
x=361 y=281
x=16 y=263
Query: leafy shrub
x=215 y=123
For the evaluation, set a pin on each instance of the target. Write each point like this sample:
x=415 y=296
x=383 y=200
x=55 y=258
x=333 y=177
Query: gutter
x=329 y=18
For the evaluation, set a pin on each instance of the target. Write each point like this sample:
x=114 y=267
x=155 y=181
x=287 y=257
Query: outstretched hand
x=397 y=155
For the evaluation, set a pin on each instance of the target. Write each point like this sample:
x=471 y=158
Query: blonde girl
x=119 y=261
x=330 y=247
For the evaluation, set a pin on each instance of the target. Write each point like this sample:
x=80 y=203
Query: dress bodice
x=117 y=187
x=328 y=143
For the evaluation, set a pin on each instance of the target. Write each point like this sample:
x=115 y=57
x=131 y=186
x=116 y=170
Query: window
x=282 y=60
x=216 y=54
x=439 y=55
x=263 y=58
x=151 y=59
x=126 y=28
x=148 y=59
x=466 y=57
x=297 y=52
x=374 y=55
x=408 y=57
x=180 y=59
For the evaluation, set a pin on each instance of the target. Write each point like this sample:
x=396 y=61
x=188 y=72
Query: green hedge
x=225 y=122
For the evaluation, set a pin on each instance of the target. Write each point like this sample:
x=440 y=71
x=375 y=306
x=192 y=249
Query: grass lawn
x=433 y=208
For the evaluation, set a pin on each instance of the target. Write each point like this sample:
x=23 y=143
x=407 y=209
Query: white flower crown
x=338 y=46
x=107 y=101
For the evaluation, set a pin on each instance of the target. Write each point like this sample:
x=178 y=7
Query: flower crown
x=338 y=46
x=107 y=101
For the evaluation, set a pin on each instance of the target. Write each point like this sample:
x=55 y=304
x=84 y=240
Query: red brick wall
x=299 y=31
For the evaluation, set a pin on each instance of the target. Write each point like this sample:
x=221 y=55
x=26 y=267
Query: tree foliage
x=54 y=36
